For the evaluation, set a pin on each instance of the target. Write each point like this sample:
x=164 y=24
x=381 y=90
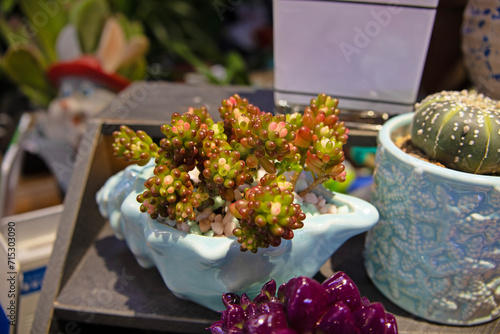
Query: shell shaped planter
x=436 y=249
x=200 y=268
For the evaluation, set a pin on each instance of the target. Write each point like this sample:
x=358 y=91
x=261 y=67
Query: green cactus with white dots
x=459 y=129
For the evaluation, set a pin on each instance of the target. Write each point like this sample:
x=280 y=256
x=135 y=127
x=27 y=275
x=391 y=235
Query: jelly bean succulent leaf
x=303 y=305
x=228 y=155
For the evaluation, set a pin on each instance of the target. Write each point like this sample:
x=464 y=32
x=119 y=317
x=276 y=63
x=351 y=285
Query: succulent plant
x=227 y=156
x=76 y=29
x=267 y=213
x=303 y=305
x=461 y=130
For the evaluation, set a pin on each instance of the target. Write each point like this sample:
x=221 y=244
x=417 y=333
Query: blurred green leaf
x=236 y=68
x=129 y=28
x=13 y=33
x=24 y=66
x=89 y=17
x=186 y=30
x=136 y=28
x=125 y=24
x=123 y=6
x=44 y=20
x=6 y=6
x=134 y=71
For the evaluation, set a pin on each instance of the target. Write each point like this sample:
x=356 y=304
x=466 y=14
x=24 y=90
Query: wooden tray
x=93 y=281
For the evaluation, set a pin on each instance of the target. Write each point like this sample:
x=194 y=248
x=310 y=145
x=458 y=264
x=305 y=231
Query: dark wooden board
x=109 y=287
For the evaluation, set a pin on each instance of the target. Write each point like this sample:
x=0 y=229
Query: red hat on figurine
x=87 y=67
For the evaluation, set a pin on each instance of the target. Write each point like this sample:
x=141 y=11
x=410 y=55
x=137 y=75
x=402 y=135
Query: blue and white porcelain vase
x=481 y=45
x=435 y=251
x=201 y=268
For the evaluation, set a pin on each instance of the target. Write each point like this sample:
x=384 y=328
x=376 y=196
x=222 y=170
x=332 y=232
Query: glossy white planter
x=201 y=268
x=436 y=249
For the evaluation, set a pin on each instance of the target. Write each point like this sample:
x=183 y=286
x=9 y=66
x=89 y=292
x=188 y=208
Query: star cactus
x=461 y=130
x=227 y=157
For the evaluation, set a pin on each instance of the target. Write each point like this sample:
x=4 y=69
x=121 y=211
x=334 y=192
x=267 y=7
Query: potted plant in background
x=70 y=68
x=215 y=190
x=435 y=251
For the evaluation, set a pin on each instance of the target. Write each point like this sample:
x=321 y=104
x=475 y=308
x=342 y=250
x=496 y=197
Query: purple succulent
x=304 y=306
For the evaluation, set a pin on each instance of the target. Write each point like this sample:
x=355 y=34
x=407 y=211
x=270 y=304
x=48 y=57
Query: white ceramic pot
x=436 y=250
x=201 y=268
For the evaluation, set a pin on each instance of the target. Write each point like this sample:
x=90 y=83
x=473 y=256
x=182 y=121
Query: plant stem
x=295 y=178
x=313 y=185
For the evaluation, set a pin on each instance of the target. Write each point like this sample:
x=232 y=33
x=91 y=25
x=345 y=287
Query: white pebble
x=194 y=175
x=301 y=184
x=218 y=218
x=204 y=214
x=237 y=195
x=311 y=198
x=185 y=227
x=331 y=208
x=243 y=187
x=217 y=227
x=323 y=210
x=204 y=225
x=298 y=199
x=228 y=228
x=321 y=202
x=227 y=218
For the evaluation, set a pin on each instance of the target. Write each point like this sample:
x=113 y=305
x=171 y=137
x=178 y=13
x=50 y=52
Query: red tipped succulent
x=228 y=154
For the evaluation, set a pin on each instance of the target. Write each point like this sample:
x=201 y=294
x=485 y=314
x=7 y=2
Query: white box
x=31 y=242
x=369 y=54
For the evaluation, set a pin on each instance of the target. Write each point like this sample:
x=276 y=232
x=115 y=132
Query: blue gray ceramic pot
x=480 y=43
x=436 y=250
x=201 y=268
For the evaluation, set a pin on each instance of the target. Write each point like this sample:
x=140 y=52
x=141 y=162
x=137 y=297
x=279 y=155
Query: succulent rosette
x=303 y=305
x=225 y=170
x=320 y=137
x=267 y=214
x=183 y=138
x=169 y=194
x=232 y=108
x=133 y=146
x=200 y=160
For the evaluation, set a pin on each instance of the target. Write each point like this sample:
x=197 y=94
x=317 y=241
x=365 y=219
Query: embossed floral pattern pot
x=436 y=250
x=481 y=45
x=201 y=268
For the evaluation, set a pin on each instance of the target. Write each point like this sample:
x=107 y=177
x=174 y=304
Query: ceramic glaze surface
x=201 y=268
x=481 y=45
x=436 y=249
